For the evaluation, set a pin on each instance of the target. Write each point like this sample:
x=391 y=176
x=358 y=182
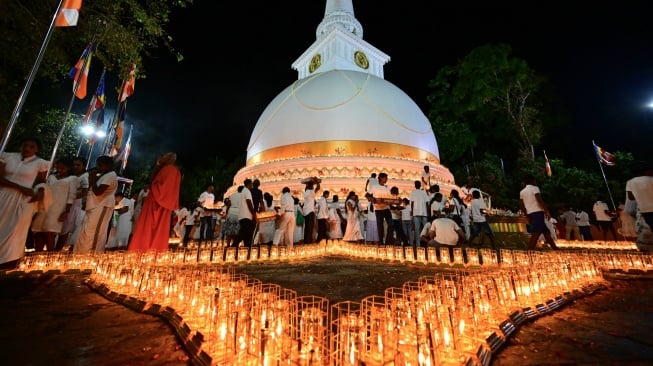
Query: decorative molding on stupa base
x=341 y=174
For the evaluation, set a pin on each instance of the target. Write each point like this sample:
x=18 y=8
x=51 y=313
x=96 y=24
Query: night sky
x=238 y=57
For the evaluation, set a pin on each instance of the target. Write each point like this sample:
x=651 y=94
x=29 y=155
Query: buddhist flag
x=68 y=13
x=128 y=85
x=547 y=166
x=97 y=101
x=100 y=97
x=604 y=157
x=79 y=72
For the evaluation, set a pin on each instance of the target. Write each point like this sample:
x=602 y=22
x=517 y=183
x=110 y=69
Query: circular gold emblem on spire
x=315 y=64
x=361 y=60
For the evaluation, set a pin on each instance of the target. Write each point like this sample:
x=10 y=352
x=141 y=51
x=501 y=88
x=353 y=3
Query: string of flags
x=67 y=16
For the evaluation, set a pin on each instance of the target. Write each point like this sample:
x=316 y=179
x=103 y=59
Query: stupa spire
x=340 y=14
x=339 y=45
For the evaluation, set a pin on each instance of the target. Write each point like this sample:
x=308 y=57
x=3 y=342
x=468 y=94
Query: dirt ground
x=55 y=319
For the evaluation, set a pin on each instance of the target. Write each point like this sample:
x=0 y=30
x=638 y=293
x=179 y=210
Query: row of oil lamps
x=460 y=315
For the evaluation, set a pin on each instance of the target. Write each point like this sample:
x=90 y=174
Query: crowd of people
x=49 y=207
x=64 y=205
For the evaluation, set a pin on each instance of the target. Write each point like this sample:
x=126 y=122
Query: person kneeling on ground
x=445 y=232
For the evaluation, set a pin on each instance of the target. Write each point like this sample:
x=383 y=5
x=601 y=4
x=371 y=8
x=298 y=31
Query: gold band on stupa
x=343 y=148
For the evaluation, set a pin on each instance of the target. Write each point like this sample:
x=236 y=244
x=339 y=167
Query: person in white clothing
x=583 y=220
x=353 y=232
x=73 y=224
x=335 y=219
x=103 y=182
x=180 y=214
x=443 y=231
x=48 y=223
x=123 y=213
x=604 y=218
x=419 y=201
x=288 y=217
x=309 y=210
x=323 y=217
x=206 y=200
x=246 y=218
x=426 y=178
x=532 y=204
x=380 y=195
x=480 y=225
x=639 y=204
x=18 y=173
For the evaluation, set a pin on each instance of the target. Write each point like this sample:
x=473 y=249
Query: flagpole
x=90 y=153
x=604 y=178
x=84 y=67
x=30 y=80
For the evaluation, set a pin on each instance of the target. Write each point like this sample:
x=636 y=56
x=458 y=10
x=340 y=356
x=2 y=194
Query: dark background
x=238 y=56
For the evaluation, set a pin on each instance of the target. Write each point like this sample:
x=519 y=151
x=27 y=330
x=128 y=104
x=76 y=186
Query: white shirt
x=21 y=171
x=244 y=212
x=426 y=179
x=437 y=206
x=371 y=215
x=287 y=203
x=322 y=208
x=206 y=200
x=583 y=219
x=309 y=202
x=129 y=203
x=234 y=209
x=379 y=191
x=642 y=189
x=107 y=198
x=445 y=231
x=476 y=206
x=405 y=213
x=418 y=201
x=599 y=211
x=527 y=195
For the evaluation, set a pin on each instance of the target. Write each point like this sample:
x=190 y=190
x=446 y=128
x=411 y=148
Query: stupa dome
x=352 y=107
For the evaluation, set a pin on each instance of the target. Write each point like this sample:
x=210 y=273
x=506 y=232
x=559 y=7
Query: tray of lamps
x=266 y=216
x=311 y=179
x=388 y=199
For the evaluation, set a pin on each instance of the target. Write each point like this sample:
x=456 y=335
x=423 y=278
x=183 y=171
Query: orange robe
x=152 y=230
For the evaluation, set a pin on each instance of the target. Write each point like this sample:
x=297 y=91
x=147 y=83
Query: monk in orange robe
x=152 y=230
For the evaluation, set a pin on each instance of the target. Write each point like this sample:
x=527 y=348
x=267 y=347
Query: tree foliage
x=126 y=32
x=46 y=128
x=487 y=102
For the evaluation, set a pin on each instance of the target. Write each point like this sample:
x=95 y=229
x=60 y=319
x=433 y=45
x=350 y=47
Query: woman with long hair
x=353 y=231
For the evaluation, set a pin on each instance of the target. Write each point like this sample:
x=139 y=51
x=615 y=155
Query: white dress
x=335 y=230
x=16 y=213
x=119 y=237
x=267 y=228
x=64 y=191
x=353 y=230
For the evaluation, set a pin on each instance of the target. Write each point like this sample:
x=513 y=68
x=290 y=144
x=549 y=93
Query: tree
x=127 y=31
x=487 y=102
x=46 y=128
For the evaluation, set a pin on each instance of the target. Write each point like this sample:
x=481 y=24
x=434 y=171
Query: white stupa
x=341 y=120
